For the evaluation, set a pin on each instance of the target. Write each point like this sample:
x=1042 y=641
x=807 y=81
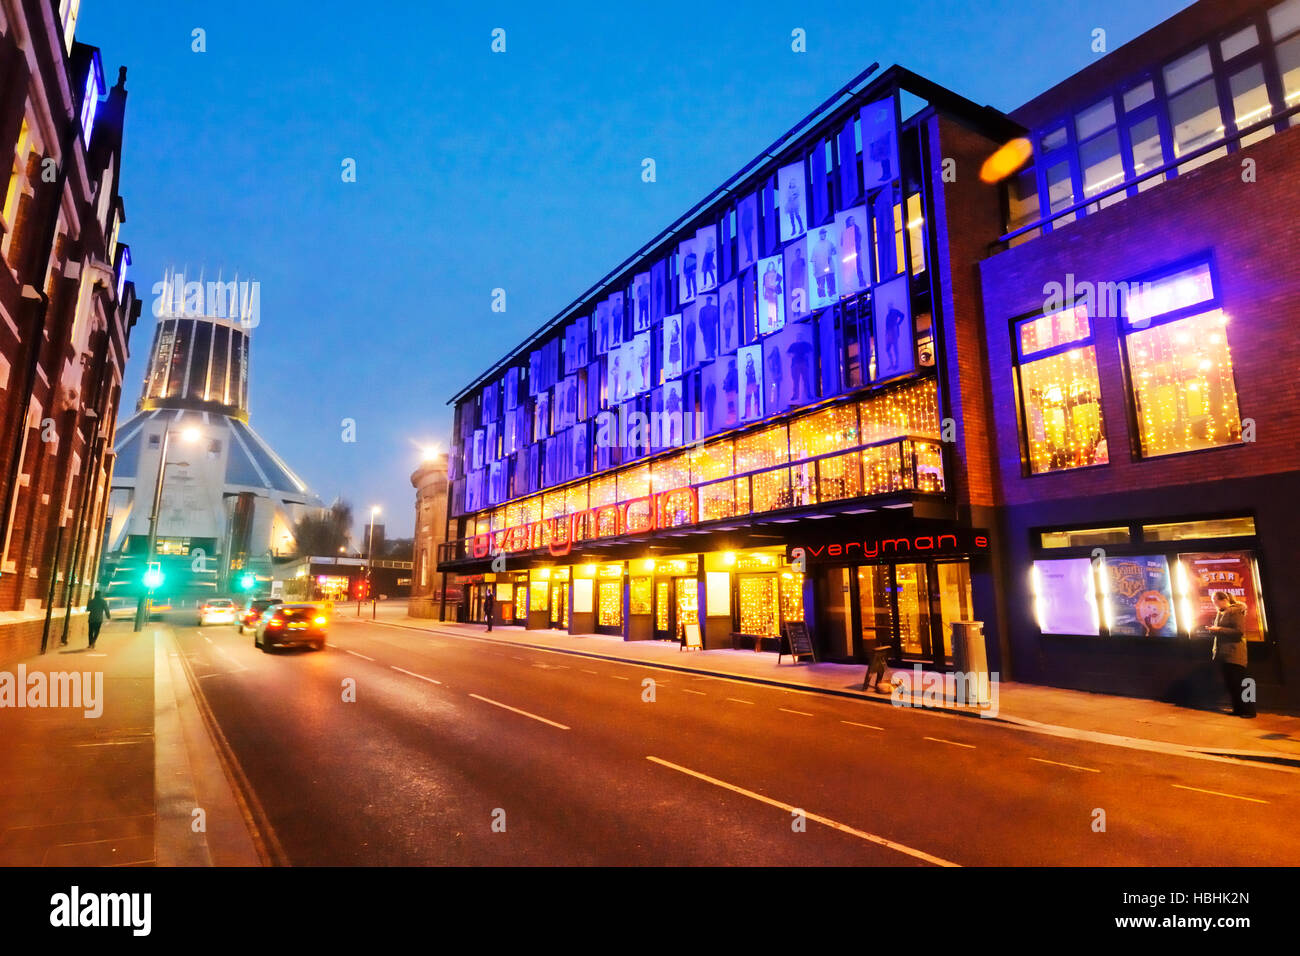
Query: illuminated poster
x=1139 y=600
x=750 y=366
x=629 y=366
x=641 y=302
x=879 y=144
x=580 y=452
x=691 y=352
x=824 y=262
x=1065 y=597
x=796 y=280
x=490 y=403
x=575 y=345
x=673 y=346
x=721 y=381
x=602 y=328
x=479 y=444
x=706 y=245
x=771 y=295
x=496 y=483
x=895 y=354
x=706 y=324
x=791 y=201
x=747 y=235
x=534 y=370
x=512 y=388
x=658 y=291
x=1230 y=571
x=688 y=271
x=672 y=426
x=854 y=249
x=542 y=416
x=616 y=319
x=566 y=402
x=492 y=443
x=889 y=240
x=729 y=330
x=788 y=368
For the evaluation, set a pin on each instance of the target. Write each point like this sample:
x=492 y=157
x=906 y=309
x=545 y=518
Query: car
x=216 y=611
x=291 y=625
x=253 y=611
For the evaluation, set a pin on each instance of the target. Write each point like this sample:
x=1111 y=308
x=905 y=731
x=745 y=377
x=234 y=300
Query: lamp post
x=370 y=563
x=188 y=435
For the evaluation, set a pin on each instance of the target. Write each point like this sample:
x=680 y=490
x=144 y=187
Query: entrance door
x=955 y=602
x=688 y=603
x=912 y=589
x=560 y=604
x=875 y=607
x=839 y=615
x=664 y=629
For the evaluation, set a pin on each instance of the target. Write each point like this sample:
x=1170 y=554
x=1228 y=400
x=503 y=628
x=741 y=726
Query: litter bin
x=970 y=656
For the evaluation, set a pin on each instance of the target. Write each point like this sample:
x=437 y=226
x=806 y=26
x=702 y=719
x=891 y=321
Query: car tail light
x=320 y=620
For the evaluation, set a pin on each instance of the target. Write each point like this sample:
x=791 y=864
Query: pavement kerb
x=1252 y=757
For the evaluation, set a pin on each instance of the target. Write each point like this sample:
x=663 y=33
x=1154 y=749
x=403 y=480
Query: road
x=467 y=751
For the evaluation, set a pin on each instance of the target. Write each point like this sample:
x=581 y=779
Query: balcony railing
x=878 y=469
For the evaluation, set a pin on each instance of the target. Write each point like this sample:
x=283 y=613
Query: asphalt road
x=466 y=751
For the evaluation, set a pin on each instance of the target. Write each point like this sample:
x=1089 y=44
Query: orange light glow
x=1006 y=160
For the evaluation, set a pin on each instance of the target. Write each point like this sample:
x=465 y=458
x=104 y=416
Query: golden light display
x=758 y=604
x=609 y=607
x=1062 y=403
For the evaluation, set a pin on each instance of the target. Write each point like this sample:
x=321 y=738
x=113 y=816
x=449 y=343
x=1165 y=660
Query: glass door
x=560 y=604
x=955 y=602
x=875 y=609
x=839 y=615
x=688 y=603
x=663 y=610
x=912 y=589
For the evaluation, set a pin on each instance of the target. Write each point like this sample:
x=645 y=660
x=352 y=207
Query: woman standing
x=1230 y=651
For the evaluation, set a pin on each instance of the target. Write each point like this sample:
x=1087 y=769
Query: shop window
x=640 y=596
x=634 y=483
x=762 y=450
x=671 y=474
x=824 y=432
x=609 y=606
x=913 y=410
x=839 y=478
x=771 y=490
x=759 y=609
x=927 y=466
x=791 y=596
x=1060 y=392
x=884 y=470
x=1084 y=537
x=717 y=500
x=1206 y=528
x=1065 y=597
x=537 y=595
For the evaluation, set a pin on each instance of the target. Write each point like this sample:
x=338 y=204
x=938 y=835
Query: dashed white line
x=1219 y=793
x=619 y=677
x=825 y=821
x=414 y=674
x=739 y=701
x=854 y=723
x=1072 y=766
x=358 y=654
x=801 y=713
x=516 y=710
x=699 y=693
x=585 y=671
x=940 y=740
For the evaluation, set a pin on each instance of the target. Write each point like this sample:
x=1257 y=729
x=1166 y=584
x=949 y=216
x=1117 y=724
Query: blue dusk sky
x=477 y=170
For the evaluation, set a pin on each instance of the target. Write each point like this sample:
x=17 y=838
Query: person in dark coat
x=1228 y=631
x=96 y=611
x=488 y=601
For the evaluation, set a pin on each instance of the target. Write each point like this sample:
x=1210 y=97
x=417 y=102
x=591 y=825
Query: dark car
x=292 y=625
x=253 y=610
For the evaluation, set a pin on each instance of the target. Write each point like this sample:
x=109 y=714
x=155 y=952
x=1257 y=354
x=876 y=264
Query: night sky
x=477 y=170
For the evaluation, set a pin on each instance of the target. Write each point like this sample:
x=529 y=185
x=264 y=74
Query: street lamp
x=153 y=576
x=370 y=565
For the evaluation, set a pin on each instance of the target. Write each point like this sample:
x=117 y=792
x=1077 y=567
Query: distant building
x=430 y=481
x=67 y=309
x=228 y=500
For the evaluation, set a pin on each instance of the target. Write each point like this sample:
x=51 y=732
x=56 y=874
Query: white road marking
x=516 y=710
x=619 y=677
x=825 y=821
x=801 y=713
x=1072 y=766
x=700 y=693
x=112 y=743
x=95 y=654
x=585 y=671
x=1219 y=793
x=854 y=723
x=739 y=701
x=358 y=654
x=414 y=674
x=940 y=740
x=208 y=639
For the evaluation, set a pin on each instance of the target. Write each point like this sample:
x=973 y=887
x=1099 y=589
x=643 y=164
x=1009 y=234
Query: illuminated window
x=1084 y=537
x=610 y=604
x=1194 y=114
x=824 y=432
x=913 y=410
x=1206 y=528
x=1180 y=367
x=791 y=595
x=1060 y=392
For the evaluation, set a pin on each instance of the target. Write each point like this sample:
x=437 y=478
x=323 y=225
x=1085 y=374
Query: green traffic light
x=247 y=582
x=152 y=578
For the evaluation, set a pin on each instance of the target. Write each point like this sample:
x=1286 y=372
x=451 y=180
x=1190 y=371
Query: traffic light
x=153 y=576
x=247 y=581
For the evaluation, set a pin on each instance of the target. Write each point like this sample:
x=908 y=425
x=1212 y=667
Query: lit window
x=1205 y=528
x=1084 y=537
x=90 y=102
x=1193 y=107
x=1288 y=67
x=1250 y=102
x=1140 y=94
x=1065 y=597
x=1181 y=368
x=1284 y=19
x=1060 y=392
x=1148 y=153
x=1102 y=168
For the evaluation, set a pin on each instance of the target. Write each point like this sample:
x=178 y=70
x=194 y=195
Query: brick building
x=67 y=308
x=1062 y=404
x=427 y=586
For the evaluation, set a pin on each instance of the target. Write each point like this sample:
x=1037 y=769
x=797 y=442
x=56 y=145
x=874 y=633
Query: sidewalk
x=1105 y=717
x=120 y=788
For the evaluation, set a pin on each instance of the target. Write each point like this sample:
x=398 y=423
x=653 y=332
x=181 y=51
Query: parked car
x=291 y=625
x=253 y=610
x=216 y=611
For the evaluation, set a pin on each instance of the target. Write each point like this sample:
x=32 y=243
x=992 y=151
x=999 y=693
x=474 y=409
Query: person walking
x=488 y=601
x=96 y=611
x=1230 y=650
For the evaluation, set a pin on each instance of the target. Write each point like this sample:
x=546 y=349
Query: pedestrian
x=488 y=601
x=1230 y=651
x=879 y=661
x=96 y=611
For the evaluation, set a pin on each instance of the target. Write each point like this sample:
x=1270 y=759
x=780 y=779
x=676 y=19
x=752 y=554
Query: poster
x=879 y=143
x=797 y=301
x=1065 y=597
x=542 y=416
x=490 y=409
x=895 y=352
x=824 y=259
x=496 y=483
x=583 y=591
x=672 y=426
x=1139 y=600
x=717 y=593
x=747 y=235
x=707 y=321
x=729 y=330
x=688 y=271
x=616 y=319
x=629 y=368
x=706 y=245
x=581 y=464
x=788 y=368
x=1204 y=573
x=750 y=366
x=721 y=382
x=566 y=402
x=658 y=291
x=575 y=345
x=691 y=351
x=771 y=295
x=791 y=201
x=673 y=346
x=512 y=388
x=854 y=249
x=641 y=302
x=601 y=329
